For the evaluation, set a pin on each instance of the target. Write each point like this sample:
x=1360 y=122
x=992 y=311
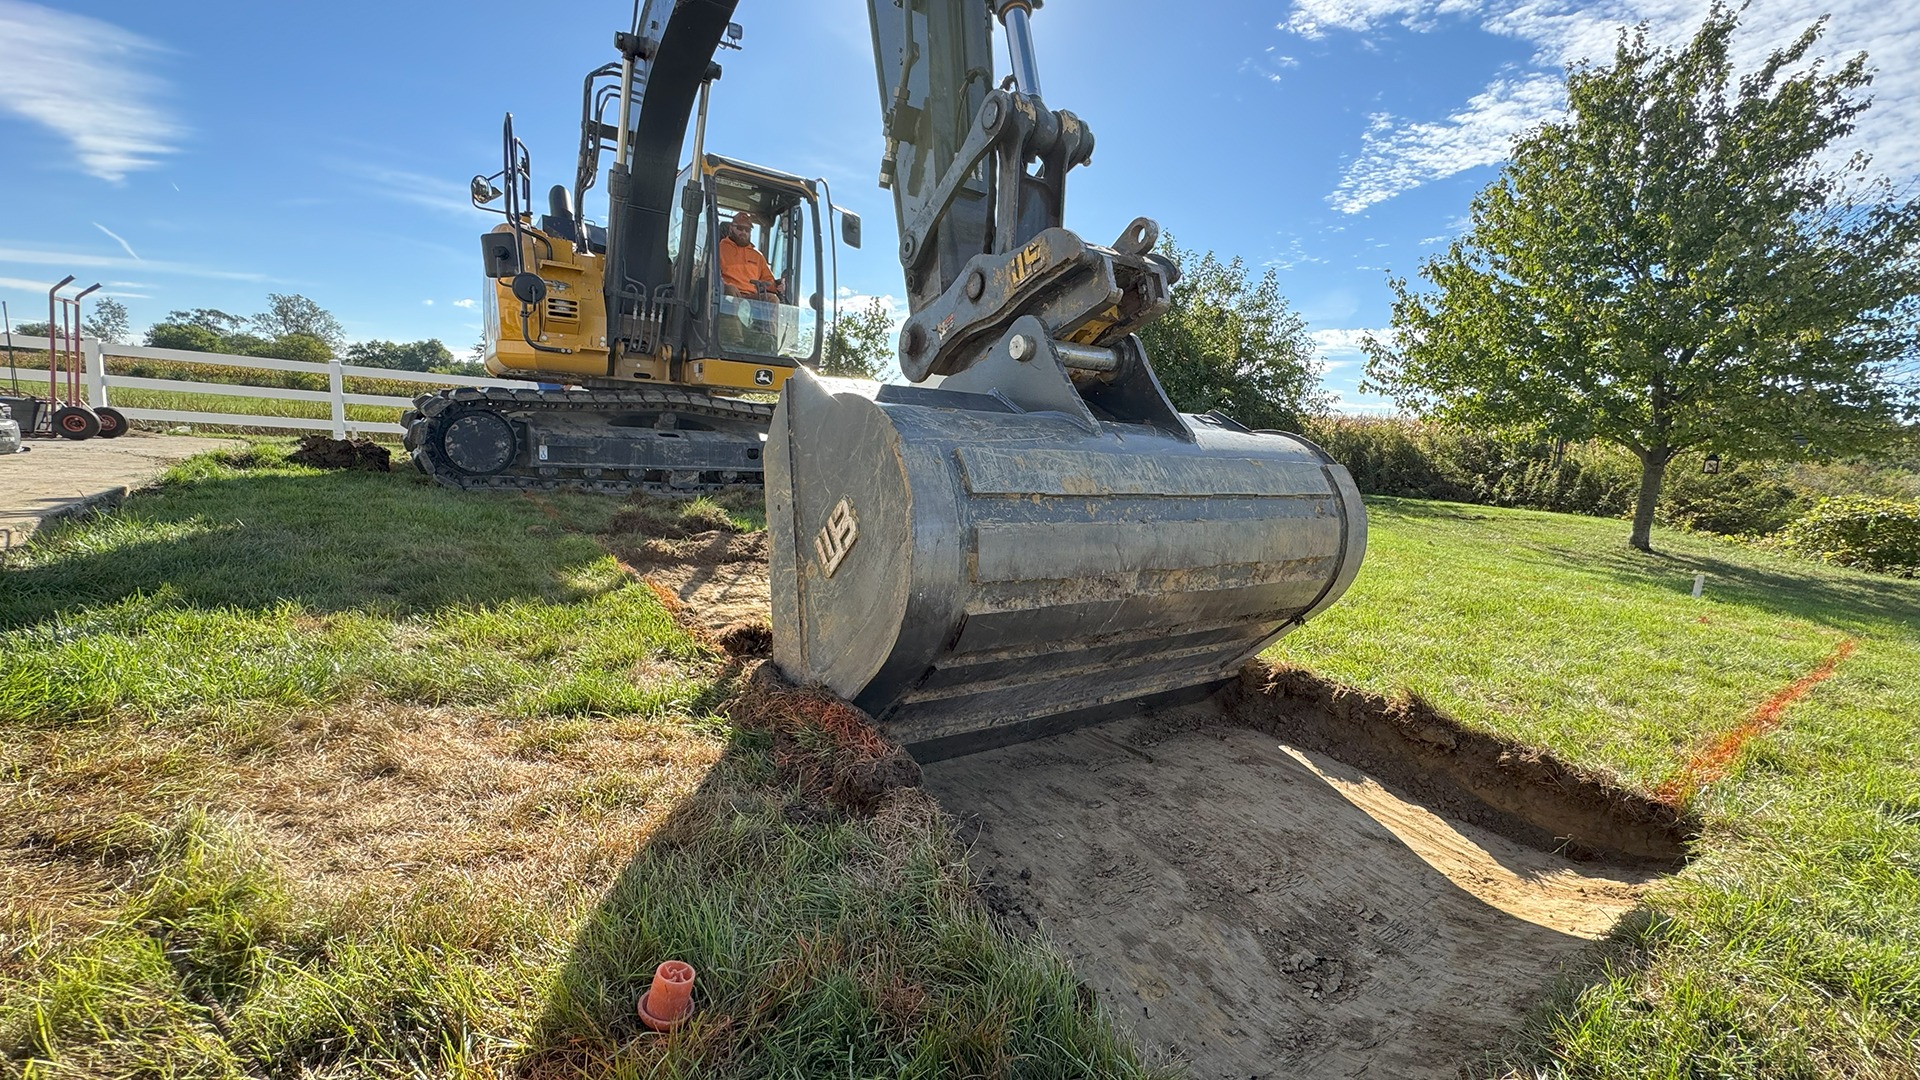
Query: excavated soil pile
x=1290 y=879
x=323 y=452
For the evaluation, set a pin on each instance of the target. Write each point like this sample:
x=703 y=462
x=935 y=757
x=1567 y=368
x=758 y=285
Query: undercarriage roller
x=972 y=574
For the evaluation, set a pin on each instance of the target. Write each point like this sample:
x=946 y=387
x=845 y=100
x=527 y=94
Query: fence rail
x=100 y=383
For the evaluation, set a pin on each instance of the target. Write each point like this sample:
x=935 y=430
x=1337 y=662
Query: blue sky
x=206 y=154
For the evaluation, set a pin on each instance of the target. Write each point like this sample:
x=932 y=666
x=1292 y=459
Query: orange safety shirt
x=741 y=265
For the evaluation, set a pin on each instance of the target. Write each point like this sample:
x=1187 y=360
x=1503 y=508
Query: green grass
x=1791 y=947
x=344 y=774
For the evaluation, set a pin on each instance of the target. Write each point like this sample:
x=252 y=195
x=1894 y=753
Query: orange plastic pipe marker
x=667 y=1004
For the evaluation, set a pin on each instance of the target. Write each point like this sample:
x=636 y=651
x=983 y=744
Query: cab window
x=764 y=310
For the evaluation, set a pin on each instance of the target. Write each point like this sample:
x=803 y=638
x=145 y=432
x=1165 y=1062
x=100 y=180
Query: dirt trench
x=1289 y=879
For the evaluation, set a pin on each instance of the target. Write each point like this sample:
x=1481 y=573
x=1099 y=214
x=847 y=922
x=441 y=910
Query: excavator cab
x=757 y=302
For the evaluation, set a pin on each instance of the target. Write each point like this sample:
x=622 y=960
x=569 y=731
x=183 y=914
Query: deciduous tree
x=291 y=313
x=1680 y=264
x=1233 y=345
x=108 y=321
x=428 y=355
x=860 y=342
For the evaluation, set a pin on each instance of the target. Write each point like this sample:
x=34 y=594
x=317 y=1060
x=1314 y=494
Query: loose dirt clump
x=746 y=639
x=323 y=452
x=825 y=748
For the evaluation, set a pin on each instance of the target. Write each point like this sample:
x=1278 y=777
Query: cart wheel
x=113 y=423
x=75 y=423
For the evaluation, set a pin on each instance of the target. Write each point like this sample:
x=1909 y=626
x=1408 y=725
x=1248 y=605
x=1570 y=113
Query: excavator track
x=655 y=441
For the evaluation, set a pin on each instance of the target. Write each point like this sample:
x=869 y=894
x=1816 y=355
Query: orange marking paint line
x=1712 y=760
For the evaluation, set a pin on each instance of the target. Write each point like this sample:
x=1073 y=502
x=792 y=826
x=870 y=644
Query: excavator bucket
x=977 y=567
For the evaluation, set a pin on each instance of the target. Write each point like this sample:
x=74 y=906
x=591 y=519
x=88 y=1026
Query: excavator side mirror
x=849 y=228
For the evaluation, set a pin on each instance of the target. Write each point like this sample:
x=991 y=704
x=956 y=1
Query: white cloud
x=467 y=304
x=1397 y=156
x=435 y=193
x=429 y=303
x=1376 y=407
x=70 y=259
x=1338 y=349
x=1400 y=153
x=1342 y=341
x=118 y=239
x=1295 y=254
x=82 y=79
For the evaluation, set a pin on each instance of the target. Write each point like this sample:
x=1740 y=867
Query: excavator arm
x=1041 y=538
x=978 y=174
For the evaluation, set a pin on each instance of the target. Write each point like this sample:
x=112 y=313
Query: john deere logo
x=763 y=377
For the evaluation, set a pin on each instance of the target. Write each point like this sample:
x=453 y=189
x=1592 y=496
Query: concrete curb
x=15 y=533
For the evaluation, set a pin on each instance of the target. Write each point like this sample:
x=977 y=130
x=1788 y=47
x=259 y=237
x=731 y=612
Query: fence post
x=337 y=383
x=96 y=355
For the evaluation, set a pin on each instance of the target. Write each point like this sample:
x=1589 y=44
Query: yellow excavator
x=1032 y=541
x=646 y=371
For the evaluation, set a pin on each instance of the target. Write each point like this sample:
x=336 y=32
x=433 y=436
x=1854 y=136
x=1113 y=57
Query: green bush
x=1870 y=534
x=1742 y=499
x=1420 y=460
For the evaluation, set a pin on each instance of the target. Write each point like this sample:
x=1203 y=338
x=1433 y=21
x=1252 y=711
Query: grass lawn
x=345 y=774
x=1791 y=946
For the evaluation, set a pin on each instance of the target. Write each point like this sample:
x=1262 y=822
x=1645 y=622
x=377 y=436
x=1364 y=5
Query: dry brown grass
x=356 y=800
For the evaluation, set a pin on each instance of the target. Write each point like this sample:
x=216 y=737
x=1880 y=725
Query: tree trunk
x=1653 y=472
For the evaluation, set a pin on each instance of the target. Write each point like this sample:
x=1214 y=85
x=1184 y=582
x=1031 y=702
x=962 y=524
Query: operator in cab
x=743 y=270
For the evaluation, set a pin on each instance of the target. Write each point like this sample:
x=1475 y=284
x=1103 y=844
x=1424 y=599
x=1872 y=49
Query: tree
x=427 y=355
x=210 y=319
x=1233 y=347
x=108 y=322
x=860 y=343
x=192 y=337
x=1679 y=265
x=291 y=313
x=32 y=329
x=304 y=347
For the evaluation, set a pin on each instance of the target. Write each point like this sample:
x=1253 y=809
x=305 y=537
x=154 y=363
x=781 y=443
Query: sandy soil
x=1255 y=910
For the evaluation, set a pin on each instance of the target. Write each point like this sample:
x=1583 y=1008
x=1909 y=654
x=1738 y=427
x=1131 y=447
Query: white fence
x=99 y=385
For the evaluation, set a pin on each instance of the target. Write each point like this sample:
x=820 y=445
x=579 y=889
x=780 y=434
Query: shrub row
x=1423 y=460
x=1882 y=535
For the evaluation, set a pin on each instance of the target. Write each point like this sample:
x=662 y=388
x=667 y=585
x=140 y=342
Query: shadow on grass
x=1846 y=601
x=832 y=925
x=390 y=544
